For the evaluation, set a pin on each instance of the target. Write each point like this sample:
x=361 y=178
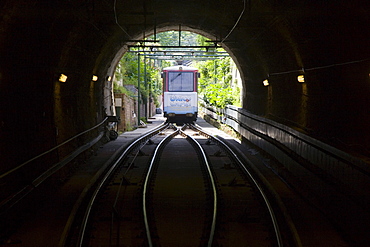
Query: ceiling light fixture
x=63 y=78
x=300 y=78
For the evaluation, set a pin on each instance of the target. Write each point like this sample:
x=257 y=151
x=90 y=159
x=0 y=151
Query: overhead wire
x=115 y=16
x=319 y=67
x=236 y=23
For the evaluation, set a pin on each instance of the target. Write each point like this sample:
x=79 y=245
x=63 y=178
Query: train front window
x=180 y=81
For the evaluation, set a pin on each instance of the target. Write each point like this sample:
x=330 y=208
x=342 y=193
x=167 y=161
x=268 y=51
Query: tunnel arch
x=150 y=33
x=40 y=40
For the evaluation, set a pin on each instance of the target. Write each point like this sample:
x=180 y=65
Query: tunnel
x=40 y=40
x=325 y=41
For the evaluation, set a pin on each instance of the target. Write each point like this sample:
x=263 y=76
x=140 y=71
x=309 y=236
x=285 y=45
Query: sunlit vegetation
x=127 y=74
x=216 y=87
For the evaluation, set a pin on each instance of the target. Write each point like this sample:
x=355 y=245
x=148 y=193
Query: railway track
x=181 y=210
x=179 y=187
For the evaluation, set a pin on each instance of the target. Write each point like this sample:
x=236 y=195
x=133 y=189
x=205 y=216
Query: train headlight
x=171 y=114
x=189 y=114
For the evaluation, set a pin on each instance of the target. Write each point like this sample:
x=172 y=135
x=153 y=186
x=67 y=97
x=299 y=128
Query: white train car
x=180 y=94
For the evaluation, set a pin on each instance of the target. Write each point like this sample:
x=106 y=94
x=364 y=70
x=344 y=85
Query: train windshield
x=180 y=81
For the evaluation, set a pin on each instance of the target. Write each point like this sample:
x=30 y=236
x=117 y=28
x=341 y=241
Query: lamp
x=300 y=78
x=63 y=78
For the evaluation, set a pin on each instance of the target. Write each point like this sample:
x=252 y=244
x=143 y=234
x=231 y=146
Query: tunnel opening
x=269 y=41
x=285 y=98
x=219 y=82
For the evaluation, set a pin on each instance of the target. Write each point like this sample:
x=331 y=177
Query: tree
x=215 y=85
x=127 y=74
x=171 y=38
x=218 y=95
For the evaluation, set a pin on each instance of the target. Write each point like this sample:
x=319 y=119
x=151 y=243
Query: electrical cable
x=236 y=23
x=115 y=16
x=320 y=67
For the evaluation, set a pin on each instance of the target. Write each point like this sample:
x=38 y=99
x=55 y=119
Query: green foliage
x=144 y=94
x=201 y=40
x=156 y=102
x=218 y=95
x=129 y=127
x=127 y=69
x=236 y=95
x=215 y=84
x=120 y=89
x=127 y=74
x=171 y=38
x=144 y=119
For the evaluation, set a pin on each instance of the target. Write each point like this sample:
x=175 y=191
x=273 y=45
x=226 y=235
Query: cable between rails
x=146 y=182
x=214 y=189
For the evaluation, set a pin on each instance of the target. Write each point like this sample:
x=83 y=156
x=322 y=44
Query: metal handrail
x=44 y=153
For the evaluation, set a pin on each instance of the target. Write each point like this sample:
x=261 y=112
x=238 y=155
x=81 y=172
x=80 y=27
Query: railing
x=23 y=190
x=332 y=180
x=309 y=155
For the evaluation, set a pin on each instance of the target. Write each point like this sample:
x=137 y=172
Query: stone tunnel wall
x=39 y=40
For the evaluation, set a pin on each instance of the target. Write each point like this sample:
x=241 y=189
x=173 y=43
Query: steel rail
x=114 y=206
x=129 y=167
x=147 y=178
x=214 y=189
x=107 y=175
x=258 y=186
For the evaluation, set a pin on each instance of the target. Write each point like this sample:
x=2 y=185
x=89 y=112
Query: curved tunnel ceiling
x=275 y=39
x=270 y=38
